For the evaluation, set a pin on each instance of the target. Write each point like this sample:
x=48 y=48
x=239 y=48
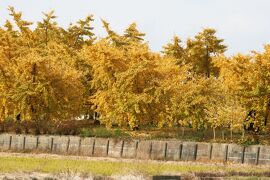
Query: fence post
x=258 y=155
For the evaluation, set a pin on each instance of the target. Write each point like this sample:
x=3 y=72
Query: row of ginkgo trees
x=49 y=73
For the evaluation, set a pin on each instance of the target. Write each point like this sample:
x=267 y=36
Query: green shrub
x=117 y=133
x=120 y=133
x=246 y=141
x=102 y=132
x=86 y=132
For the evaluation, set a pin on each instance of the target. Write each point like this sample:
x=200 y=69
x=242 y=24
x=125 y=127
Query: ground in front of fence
x=42 y=165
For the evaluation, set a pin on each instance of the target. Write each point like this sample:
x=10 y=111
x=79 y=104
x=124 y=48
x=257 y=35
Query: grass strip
x=109 y=168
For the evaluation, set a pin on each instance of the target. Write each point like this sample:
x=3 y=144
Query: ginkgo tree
x=202 y=49
x=174 y=49
x=124 y=83
x=38 y=82
x=50 y=73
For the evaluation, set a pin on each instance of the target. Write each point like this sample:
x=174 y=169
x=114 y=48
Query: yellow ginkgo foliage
x=39 y=81
x=50 y=73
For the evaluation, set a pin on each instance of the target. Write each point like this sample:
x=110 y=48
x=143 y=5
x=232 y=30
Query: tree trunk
x=231 y=131
x=183 y=132
x=207 y=63
x=34 y=72
x=222 y=134
x=214 y=133
x=46 y=35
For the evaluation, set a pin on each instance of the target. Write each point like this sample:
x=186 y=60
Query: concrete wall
x=219 y=152
x=173 y=151
x=144 y=149
x=115 y=148
x=204 y=151
x=74 y=145
x=158 y=150
x=5 y=142
x=31 y=142
x=86 y=146
x=129 y=149
x=140 y=149
x=45 y=143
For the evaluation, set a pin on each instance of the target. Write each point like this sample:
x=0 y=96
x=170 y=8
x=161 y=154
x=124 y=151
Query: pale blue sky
x=244 y=24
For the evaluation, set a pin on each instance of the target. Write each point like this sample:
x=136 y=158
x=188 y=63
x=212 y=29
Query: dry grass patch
x=105 y=167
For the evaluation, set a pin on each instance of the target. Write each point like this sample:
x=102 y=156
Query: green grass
x=108 y=168
x=103 y=132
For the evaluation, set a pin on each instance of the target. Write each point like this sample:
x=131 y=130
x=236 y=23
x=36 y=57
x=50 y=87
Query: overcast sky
x=244 y=24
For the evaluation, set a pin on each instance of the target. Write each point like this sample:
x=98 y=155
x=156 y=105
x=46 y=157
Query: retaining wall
x=139 y=149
